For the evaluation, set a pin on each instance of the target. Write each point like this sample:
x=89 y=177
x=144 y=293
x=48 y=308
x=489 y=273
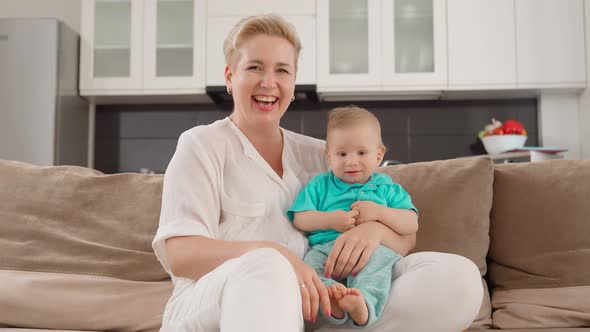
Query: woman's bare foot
x=353 y=302
x=335 y=293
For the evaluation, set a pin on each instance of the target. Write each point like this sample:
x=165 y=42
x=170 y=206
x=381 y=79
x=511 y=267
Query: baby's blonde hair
x=342 y=117
x=268 y=24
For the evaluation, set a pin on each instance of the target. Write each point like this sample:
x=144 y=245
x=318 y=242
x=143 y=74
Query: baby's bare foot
x=354 y=304
x=336 y=292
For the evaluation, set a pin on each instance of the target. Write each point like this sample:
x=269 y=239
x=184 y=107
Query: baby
x=348 y=195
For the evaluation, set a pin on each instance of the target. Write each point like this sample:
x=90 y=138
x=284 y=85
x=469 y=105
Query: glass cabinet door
x=413 y=36
x=414 y=43
x=174 y=41
x=174 y=38
x=112 y=38
x=348 y=43
x=349 y=21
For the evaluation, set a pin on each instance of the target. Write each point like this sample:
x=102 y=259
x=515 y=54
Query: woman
x=234 y=258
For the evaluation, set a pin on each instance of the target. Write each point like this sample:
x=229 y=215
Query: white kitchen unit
x=481 y=44
x=219 y=27
x=550 y=47
x=142 y=47
x=241 y=8
x=381 y=45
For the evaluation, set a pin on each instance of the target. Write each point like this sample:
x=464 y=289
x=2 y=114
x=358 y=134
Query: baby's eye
x=341 y=154
x=362 y=153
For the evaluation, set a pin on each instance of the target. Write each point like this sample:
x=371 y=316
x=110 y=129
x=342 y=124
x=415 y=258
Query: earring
x=292 y=99
x=228 y=90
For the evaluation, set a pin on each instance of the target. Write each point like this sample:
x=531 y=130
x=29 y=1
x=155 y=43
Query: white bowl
x=501 y=143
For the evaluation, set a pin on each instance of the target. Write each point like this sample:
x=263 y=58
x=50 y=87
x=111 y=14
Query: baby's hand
x=367 y=211
x=344 y=220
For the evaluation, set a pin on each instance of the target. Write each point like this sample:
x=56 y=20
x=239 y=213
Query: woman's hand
x=313 y=290
x=352 y=250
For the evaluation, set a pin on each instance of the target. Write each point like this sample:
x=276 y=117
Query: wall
x=584 y=118
x=559 y=122
x=67 y=11
x=132 y=137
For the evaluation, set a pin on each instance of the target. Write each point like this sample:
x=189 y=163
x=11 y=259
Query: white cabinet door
x=349 y=50
x=219 y=27
x=174 y=45
x=550 y=46
x=306 y=29
x=481 y=44
x=414 y=44
x=217 y=30
x=111 y=46
x=242 y=8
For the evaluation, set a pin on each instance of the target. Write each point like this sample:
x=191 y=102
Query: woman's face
x=262 y=79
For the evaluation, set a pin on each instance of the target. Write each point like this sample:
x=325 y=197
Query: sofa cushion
x=540 y=245
x=71 y=219
x=454 y=199
x=71 y=225
x=565 y=329
x=81 y=302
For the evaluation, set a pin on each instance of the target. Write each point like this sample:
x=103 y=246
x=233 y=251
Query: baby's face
x=355 y=152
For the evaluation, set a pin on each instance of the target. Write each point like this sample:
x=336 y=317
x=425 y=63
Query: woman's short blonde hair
x=342 y=117
x=268 y=24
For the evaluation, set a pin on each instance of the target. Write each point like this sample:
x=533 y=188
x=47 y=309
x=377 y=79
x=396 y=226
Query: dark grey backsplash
x=132 y=137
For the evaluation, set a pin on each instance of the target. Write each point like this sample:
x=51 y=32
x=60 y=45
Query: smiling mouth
x=265 y=101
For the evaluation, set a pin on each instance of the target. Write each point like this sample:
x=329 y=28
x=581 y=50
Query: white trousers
x=259 y=292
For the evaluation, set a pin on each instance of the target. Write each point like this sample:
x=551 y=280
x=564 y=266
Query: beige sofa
x=75 y=244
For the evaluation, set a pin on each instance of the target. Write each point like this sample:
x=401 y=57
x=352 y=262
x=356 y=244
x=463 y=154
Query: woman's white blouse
x=217 y=185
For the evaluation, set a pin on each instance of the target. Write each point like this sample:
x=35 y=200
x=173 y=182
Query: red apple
x=512 y=127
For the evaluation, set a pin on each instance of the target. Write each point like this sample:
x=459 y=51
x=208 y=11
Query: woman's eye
x=254 y=68
x=284 y=71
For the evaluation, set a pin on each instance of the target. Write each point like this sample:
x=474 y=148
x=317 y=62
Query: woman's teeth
x=265 y=100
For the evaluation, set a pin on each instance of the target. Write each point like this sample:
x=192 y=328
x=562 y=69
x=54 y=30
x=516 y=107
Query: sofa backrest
x=539 y=259
x=79 y=220
x=75 y=249
x=454 y=198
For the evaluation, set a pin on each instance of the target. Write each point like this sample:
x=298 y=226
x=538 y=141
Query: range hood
x=303 y=92
x=343 y=96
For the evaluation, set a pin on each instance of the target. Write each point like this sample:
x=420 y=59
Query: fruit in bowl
x=499 y=137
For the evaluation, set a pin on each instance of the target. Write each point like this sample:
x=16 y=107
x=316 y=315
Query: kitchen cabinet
x=111 y=54
x=174 y=55
x=381 y=45
x=481 y=44
x=233 y=8
x=414 y=39
x=550 y=46
x=219 y=27
x=140 y=47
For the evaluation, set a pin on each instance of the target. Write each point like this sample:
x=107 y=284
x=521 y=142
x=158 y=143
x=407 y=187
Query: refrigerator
x=43 y=121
